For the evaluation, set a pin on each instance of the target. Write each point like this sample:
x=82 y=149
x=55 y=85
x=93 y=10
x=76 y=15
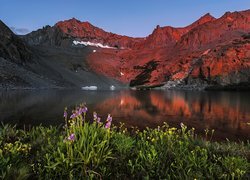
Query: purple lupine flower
x=98 y=120
x=65 y=114
x=109 y=118
x=73 y=115
x=82 y=110
x=95 y=116
x=85 y=109
x=71 y=137
x=108 y=124
x=78 y=112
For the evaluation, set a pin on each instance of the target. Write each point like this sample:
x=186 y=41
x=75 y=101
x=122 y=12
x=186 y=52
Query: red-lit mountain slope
x=87 y=32
x=210 y=53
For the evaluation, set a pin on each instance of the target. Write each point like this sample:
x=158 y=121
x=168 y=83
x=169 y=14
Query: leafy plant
x=97 y=150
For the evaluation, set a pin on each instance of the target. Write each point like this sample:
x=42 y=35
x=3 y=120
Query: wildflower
x=170 y=132
x=109 y=121
x=78 y=112
x=95 y=116
x=109 y=118
x=182 y=125
x=83 y=110
x=108 y=124
x=173 y=129
x=71 y=137
x=65 y=114
x=73 y=115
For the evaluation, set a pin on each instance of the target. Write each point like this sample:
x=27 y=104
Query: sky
x=135 y=18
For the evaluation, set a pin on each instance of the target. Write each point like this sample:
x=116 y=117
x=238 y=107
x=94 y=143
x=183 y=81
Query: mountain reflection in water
x=226 y=112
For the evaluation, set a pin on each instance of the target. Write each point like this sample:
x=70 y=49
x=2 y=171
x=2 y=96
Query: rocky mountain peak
x=84 y=31
x=204 y=19
x=209 y=52
x=11 y=46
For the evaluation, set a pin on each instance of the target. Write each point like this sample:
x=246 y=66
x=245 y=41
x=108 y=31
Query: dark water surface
x=226 y=112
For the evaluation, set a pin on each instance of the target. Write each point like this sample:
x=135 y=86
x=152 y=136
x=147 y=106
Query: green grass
x=84 y=150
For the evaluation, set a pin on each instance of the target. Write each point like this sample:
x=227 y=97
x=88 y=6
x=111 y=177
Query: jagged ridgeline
x=210 y=53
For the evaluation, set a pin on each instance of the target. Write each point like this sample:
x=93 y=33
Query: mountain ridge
x=209 y=53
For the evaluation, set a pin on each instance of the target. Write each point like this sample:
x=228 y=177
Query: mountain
x=11 y=46
x=168 y=36
x=63 y=32
x=85 y=31
x=215 y=49
x=39 y=63
x=228 y=27
x=210 y=53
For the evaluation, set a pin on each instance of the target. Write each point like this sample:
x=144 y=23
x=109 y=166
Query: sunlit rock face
x=87 y=32
x=209 y=53
x=168 y=36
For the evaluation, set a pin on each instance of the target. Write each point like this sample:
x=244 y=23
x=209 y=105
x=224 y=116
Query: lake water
x=226 y=112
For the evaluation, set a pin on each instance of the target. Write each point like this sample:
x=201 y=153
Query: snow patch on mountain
x=88 y=43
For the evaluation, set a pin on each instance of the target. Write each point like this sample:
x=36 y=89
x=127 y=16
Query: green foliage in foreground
x=84 y=150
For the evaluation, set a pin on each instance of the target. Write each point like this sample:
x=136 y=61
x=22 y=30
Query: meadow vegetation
x=96 y=149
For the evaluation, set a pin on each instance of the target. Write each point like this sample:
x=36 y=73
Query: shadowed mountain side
x=25 y=66
x=68 y=67
x=53 y=67
x=12 y=47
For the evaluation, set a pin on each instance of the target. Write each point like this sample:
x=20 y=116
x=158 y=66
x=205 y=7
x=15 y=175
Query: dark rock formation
x=12 y=47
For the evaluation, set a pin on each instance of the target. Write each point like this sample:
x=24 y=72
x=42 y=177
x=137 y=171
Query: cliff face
x=223 y=30
x=168 y=36
x=12 y=47
x=85 y=31
x=47 y=36
x=225 y=65
x=45 y=59
x=209 y=53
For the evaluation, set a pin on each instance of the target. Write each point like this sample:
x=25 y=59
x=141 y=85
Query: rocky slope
x=64 y=32
x=12 y=47
x=41 y=63
x=210 y=53
x=167 y=36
